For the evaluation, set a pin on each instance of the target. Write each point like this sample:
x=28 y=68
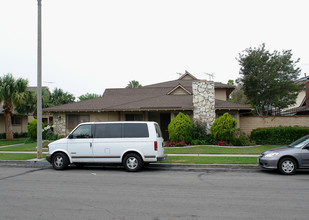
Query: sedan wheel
x=287 y=166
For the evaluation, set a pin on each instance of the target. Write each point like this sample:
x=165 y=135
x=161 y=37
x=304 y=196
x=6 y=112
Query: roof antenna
x=179 y=74
x=211 y=76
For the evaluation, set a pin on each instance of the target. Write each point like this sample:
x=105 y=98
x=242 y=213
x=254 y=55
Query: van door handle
x=90 y=144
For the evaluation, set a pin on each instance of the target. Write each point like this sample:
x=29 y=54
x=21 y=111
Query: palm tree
x=133 y=84
x=12 y=93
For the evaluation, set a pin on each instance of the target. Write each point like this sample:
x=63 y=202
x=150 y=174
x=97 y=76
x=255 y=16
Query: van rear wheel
x=132 y=162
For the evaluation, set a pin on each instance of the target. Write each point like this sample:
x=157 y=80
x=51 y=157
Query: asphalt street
x=39 y=192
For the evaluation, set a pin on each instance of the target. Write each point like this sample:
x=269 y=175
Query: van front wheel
x=132 y=162
x=60 y=161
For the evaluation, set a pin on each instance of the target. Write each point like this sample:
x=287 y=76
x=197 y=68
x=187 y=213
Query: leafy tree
x=268 y=78
x=29 y=103
x=12 y=93
x=88 y=96
x=223 y=128
x=181 y=128
x=133 y=84
x=230 y=82
x=59 y=97
x=238 y=95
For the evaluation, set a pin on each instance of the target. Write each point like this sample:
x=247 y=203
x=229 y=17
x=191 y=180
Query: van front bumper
x=162 y=157
x=48 y=158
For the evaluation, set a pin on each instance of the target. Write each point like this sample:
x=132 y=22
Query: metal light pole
x=39 y=86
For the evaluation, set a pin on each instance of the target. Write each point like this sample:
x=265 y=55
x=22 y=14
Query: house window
x=73 y=120
x=134 y=117
x=16 y=120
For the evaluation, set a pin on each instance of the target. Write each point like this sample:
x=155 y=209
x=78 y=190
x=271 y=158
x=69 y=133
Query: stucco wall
x=220 y=94
x=16 y=128
x=247 y=124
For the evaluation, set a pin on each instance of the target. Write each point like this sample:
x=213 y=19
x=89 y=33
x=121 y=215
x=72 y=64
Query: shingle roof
x=146 y=98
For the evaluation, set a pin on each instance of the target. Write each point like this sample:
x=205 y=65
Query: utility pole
x=39 y=85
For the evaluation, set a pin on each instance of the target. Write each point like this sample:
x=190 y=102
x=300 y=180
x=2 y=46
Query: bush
x=2 y=136
x=32 y=129
x=208 y=140
x=278 y=135
x=199 y=131
x=223 y=128
x=180 y=129
x=240 y=139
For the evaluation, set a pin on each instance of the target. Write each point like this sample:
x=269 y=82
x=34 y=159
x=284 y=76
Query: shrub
x=199 y=130
x=180 y=129
x=208 y=140
x=32 y=129
x=223 y=128
x=278 y=135
x=240 y=139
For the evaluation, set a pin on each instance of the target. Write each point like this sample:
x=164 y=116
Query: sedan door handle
x=90 y=144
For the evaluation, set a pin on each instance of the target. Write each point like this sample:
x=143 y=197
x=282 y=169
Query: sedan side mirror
x=70 y=136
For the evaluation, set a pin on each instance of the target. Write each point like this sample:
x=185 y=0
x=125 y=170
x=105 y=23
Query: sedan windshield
x=300 y=142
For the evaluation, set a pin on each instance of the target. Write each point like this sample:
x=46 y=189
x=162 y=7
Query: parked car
x=287 y=159
x=129 y=143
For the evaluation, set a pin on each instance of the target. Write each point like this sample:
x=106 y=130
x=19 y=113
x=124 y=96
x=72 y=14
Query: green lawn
x=218 y=150
x=210 y=160
x=17 y=156
x=4 y=142
x=24 y=147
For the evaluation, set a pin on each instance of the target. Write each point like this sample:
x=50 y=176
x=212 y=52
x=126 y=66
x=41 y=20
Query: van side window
x=135 y=130
x=158 y=130
x=108 y=131
x=83 y=131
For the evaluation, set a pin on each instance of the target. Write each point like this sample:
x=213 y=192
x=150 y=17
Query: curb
x=156 y=166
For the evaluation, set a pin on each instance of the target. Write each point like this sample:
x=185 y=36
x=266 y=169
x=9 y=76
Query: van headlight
x=271 y=155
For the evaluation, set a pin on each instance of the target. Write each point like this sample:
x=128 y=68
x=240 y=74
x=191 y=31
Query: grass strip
x=16 y=141
x=17 y=156
x=218 y=150
x=24 y=147
x=210 y=160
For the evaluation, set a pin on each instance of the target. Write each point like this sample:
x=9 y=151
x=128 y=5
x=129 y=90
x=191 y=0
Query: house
x=200 y=99
x=20 y=121
x=301 y=107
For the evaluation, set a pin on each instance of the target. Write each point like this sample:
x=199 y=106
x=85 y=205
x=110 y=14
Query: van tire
x=60 y=161
x=132 y=162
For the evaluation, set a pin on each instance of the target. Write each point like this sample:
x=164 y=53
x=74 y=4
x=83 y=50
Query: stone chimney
x=204 y=102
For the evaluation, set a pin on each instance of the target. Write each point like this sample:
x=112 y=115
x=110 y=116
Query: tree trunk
x=8 y=127
x=8 y=108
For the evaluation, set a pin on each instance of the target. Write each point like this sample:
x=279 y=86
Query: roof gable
x=187 y=76
x=179 y=90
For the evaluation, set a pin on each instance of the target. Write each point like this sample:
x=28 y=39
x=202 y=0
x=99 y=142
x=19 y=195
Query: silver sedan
x=287 y=159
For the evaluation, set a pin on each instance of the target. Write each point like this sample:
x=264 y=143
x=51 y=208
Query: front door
x=80 y=144
x=165 y=119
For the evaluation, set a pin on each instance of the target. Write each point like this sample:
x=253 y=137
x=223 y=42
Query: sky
x=91 y=45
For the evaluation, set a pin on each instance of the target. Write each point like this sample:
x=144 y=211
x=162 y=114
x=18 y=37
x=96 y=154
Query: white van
x=129 y=143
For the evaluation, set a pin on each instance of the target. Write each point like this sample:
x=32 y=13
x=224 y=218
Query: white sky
x=91 y=45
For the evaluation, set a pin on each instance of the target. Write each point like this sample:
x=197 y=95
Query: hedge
x=278 y=135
